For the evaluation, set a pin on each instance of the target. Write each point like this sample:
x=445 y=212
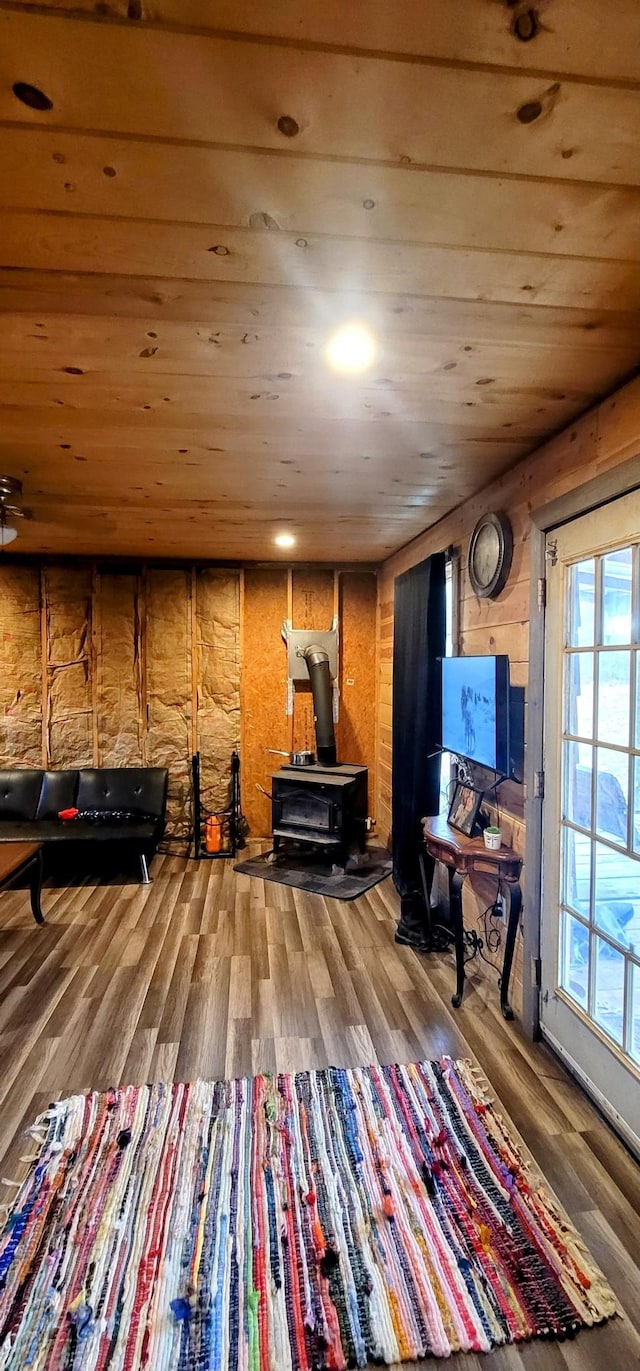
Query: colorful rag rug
x=314 y=1221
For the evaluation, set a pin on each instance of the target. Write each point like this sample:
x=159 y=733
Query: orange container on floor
x=213 y=834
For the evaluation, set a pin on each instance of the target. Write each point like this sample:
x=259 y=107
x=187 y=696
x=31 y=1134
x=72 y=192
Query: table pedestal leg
x=515 y=905
x=456 y=882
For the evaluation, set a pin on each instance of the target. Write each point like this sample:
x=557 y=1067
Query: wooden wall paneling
x=217 y=599
x=312 y=607
x=356 y=727
x=511 y=607
x=20 y=667
x=168 y=677
x=264 y=690
x=591 y=447
x=121 y=704
x=332 y=95
x=70 y=704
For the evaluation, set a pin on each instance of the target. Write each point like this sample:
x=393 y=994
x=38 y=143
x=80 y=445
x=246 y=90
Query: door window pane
x=581 y=626
x=614 y=697
x=637 y=729
x=616 y=596
x=635 y=1014
x=576 y=871
x=635 y=837
x=608 y=1003
x=575 y=960
x=617 y=895
x=579 y=694
x=577 y=771
x=612 y=794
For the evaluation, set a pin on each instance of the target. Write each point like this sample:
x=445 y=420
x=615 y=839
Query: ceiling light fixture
x=352 y=349
x=10 y=508
x=284 y=540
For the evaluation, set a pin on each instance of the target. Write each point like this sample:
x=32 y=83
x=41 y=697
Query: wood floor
x=206 y=973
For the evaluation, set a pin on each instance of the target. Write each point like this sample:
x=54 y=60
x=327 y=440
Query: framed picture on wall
x=463 y=810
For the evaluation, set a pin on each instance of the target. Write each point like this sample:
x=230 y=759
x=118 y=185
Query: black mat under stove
x=306 y=870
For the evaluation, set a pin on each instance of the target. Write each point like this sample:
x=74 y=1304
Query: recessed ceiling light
x=284 y=540
x=352 y=349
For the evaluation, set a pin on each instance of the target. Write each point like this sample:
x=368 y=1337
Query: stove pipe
x=317 y=659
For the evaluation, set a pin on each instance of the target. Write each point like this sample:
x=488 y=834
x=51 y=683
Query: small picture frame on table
x=463 y=810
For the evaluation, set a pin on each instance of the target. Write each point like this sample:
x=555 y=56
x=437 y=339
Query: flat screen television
x=475 y=710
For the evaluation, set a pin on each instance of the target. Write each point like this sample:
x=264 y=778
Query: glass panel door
x=590 y=1008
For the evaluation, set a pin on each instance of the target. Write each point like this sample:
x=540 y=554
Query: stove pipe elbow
x=317 y=659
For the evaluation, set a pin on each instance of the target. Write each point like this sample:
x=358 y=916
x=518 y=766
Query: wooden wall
x=603 y=438
x=110 y=666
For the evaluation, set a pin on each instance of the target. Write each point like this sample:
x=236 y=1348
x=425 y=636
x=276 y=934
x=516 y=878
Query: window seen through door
x=600 y=869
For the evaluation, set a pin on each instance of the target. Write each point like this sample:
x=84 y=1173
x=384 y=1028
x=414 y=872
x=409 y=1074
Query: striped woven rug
x=322 y=1220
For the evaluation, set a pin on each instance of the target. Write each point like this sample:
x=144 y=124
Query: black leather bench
x=127 y=805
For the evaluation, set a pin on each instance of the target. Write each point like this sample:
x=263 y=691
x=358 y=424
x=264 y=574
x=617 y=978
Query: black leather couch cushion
x=19 y=793
x=58 y=792
x=31 y=800
x=79 y=831
x=141 y=790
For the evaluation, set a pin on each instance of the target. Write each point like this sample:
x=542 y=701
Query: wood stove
x=326 y=806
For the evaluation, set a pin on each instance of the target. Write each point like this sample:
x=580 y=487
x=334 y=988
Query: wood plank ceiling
x=218 y=184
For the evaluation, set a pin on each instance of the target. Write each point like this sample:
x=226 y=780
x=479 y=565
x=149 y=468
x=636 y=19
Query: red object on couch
x=68 y=813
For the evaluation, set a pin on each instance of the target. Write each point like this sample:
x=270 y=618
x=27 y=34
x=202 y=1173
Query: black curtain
x=418 y=646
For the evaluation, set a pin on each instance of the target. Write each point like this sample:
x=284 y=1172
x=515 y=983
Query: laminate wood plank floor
x=209 y=973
